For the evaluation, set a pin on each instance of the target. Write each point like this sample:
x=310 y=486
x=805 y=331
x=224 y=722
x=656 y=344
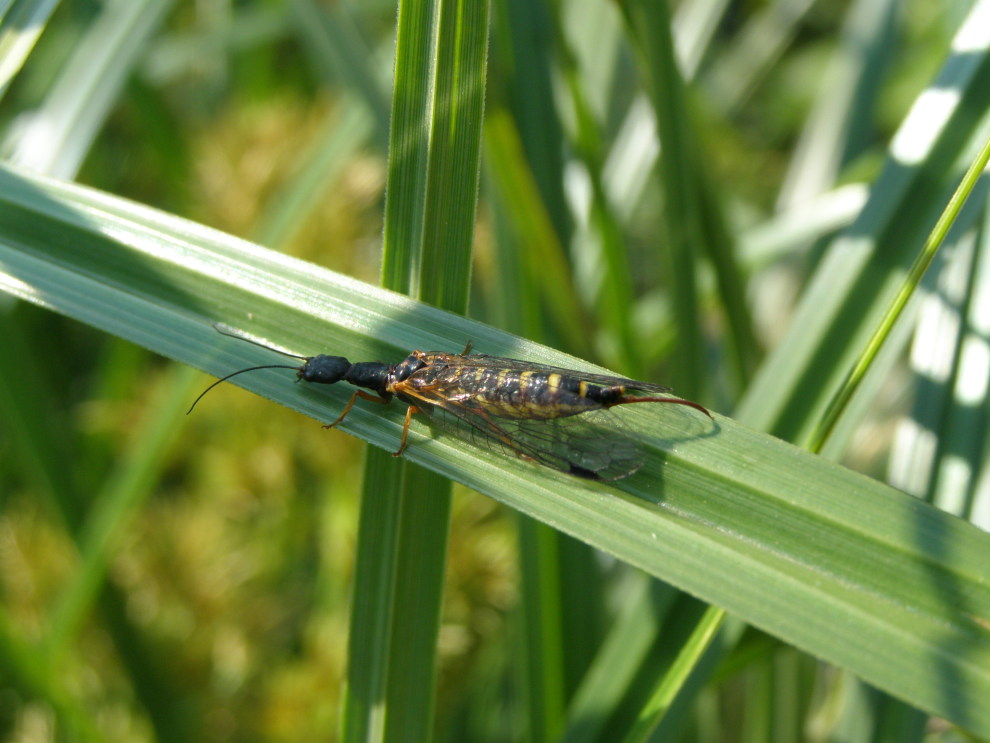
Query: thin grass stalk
x=854 y=376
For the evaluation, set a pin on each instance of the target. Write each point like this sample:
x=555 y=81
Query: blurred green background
x=226 y=609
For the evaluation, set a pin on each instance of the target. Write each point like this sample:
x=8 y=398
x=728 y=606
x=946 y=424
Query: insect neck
x=372 y=375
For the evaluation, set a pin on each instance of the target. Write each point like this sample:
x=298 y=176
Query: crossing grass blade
x=831 y=561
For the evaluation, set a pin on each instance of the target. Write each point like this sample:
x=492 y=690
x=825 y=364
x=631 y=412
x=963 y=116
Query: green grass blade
x=369 y=642
x=604 y=241
x=864 y=268
x=543 y=688
x=61 y=132
x=840 y=124
x=429 y=223
x=420 y=561
x=112 y=508
x=338 y=46
x=391 y=678
x=409 y=149
x=648 y=26
x=35 y=680
x=619 y=659
x=686 y=642
x=939 y=453
x=854 y=377
x=455 y=154
x=693 y=216
x=535 y=252
x=21 y=23
x=658 y=655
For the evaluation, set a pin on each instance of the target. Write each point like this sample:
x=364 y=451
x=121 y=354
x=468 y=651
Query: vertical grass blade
x=432 y=189
x=388 y=697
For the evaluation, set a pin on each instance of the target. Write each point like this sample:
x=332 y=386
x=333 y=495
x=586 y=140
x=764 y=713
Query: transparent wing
x=477 y=360
x=578 y=445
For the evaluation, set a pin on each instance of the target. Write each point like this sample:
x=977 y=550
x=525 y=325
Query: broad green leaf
x=826 y=559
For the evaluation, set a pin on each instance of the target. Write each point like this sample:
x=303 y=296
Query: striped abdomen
x=512 y=393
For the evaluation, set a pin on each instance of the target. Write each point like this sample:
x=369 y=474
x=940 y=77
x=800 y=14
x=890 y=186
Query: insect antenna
x=240 y=371
x=220 y=329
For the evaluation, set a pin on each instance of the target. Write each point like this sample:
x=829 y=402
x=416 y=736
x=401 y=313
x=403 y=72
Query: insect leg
x=350 y=404
x=405 y=430
x=467 y=349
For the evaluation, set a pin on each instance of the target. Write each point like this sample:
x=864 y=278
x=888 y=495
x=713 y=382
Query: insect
x=531 y=410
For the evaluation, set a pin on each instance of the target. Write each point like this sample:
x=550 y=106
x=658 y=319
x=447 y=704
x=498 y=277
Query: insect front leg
x=350 y=404
x=405 y=430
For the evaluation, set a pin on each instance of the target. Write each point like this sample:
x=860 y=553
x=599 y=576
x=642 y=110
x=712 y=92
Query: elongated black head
x=324 y=369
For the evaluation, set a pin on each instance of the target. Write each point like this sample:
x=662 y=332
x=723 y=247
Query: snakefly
x=537 y=412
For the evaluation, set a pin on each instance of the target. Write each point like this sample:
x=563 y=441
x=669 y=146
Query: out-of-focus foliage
x=671 y=222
